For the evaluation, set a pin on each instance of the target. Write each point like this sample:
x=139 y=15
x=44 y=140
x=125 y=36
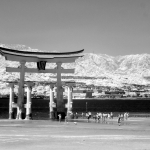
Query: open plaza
x=133 y=134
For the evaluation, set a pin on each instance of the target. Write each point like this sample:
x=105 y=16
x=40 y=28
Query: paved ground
x=133 y=134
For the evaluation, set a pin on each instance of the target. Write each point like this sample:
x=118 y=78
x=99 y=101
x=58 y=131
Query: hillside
x=97 y=69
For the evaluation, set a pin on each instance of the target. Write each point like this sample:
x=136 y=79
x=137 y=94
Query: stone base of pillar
x=20 y=116
x=11 y=115
x=28 y=117
x=51 y=115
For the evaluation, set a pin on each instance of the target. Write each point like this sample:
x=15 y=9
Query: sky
x=112 y=27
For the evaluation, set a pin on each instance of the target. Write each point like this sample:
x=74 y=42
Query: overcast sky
x=113 y=27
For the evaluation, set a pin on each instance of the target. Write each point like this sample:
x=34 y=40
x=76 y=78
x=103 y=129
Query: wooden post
x=51 y=103
x=11 y=100
x=28 y=104
x=20 y=101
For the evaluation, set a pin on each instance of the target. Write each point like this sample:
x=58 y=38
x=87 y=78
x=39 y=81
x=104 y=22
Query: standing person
x=95 y=117
x=89 y=116
x=119 y=119
x=125 y=115
x=66 y=119
x=59 y=117
x=111 y=115
x=82 y=115
x=122 y=117
x=98 y=117
x=76 y=115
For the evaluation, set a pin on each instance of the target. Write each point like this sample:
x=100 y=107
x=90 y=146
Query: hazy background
x=113 y=27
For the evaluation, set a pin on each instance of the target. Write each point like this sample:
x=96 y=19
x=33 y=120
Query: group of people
x=105 y=116
x=122 y=117
x=102 y=116
x=99 y=117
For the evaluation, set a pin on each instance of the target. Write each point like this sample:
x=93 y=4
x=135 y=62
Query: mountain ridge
x=106 y=70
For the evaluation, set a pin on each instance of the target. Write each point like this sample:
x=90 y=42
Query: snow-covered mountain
x=130 y=69
x=103 y=70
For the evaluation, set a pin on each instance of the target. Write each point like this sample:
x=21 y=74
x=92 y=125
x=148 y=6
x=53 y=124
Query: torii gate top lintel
x=52 y=57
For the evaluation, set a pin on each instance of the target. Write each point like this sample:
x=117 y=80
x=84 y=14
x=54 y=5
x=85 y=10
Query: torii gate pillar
x=69 y=109
x=69 y=103
x=29 y=102
x=11 y=100
x=51 y=103
x=20 y=102
x=60 y=103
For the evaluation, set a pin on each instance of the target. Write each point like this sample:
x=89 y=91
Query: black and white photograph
x=74 y=74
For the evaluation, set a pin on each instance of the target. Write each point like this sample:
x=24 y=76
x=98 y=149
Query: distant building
x=89 y=94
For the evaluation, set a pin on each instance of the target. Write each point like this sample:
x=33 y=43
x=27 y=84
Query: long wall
x=112 y=105
x=40 y=108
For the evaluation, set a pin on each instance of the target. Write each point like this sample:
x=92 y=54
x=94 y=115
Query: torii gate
x=41 y=58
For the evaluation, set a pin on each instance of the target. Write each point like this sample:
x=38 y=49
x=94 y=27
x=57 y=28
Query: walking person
x=111 y=115
x=119 y=119
x=98 y=117
x=76 y=115
x=82 y=115
x=88 y=115
x=59 y=117
x=66 y=119
x=122 y=117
